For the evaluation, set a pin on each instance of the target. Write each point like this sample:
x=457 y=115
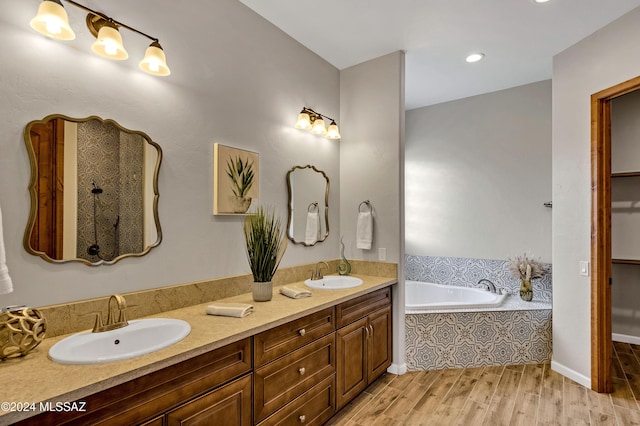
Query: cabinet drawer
x=230 y=405
x=312 y=408
x=281 y=340
x=143 y=398
x=280 y=381
x=362 y=306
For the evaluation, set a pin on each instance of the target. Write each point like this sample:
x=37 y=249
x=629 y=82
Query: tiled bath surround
x=472 y=339
x=467 y=272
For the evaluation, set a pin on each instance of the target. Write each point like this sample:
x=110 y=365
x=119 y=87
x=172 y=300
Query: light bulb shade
x=155 y=61
x=109 y=44
x=318 y=126
x=332 y=131
x=304 y=121
x=52 y=21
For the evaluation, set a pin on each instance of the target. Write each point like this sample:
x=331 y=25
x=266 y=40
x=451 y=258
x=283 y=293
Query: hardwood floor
x=529 y=394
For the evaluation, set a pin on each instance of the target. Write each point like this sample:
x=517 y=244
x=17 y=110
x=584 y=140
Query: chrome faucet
x=316 y=274
x=488 y=284
x=112 y=323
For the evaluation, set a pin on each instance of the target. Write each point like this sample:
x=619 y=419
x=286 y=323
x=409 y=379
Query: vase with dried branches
x=526 y=268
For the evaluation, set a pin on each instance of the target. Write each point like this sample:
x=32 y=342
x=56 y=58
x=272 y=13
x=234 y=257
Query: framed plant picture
x=235 y=180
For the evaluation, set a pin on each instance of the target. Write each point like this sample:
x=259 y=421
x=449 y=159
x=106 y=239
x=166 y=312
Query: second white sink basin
x=138 y=338
x=334 y=282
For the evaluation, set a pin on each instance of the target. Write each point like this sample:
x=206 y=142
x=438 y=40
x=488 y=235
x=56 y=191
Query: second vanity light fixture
x=52 y=21
x=308 y=119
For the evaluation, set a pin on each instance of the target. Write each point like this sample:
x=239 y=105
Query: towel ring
x=366 y=203
x=311 y=206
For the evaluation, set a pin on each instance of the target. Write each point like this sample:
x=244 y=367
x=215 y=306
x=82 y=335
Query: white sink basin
x=334 y=282
x=138 y=338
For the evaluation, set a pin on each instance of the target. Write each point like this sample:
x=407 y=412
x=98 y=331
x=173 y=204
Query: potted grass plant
x=266 y=242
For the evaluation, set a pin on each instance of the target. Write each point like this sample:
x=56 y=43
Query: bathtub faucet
x=488 y=284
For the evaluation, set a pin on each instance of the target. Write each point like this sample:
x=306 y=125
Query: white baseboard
x=625 y=338
x=572 y=374
x=398 y=369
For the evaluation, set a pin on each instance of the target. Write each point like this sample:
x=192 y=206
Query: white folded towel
x=6 y=286
x=312 y=229
x=364 y=230
x=238 y=310
x=295 y=292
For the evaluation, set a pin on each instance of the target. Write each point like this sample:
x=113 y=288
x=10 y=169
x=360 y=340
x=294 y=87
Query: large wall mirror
x=94 y=190
x=308 y=221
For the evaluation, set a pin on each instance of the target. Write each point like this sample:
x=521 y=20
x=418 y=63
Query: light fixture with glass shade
x=154 y=61
x=304 y=120
x=52 y=21
x=309 y=119
x=108 y=43
x=318 y=127
x=332 y=131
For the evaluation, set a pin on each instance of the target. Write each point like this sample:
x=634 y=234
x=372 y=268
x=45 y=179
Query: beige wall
x=371 y=168
x=478 y=171
x=604 y=59
x=236 y=79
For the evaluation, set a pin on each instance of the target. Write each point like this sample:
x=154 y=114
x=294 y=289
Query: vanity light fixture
x=308 y=119
x=52 y=21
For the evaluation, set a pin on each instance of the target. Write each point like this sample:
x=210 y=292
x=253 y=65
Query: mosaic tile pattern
x=474 y=339
x=466 y=272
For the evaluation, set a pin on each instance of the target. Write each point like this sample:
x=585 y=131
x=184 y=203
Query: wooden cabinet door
x=379 y=343
x=229 y=405
x=351 y=361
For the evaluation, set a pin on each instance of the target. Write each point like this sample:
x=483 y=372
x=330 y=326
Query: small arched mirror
x=308 y=221
x=94 y=190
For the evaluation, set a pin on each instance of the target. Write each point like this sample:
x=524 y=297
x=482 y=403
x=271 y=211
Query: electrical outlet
x=382 y=254
x=584 y=268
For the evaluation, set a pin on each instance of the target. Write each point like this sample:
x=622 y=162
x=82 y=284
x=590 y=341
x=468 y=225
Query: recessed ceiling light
x=540 y=1
x=475 y=57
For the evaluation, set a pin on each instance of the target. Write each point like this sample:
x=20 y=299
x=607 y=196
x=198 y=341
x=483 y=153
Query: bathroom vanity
x=302 y=366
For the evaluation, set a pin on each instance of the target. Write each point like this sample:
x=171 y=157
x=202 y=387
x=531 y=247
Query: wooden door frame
x=601 y=350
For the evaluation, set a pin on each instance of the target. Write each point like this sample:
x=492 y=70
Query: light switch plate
x=382 y=254
x=584 y=268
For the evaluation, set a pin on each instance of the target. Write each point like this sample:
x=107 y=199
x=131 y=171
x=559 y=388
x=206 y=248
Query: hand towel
x=6 y=286
x=294 y=292
x=237 y=310
x=364 y=230
x=311 y=231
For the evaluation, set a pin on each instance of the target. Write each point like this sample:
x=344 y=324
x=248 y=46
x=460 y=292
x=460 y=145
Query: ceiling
x=518 y=37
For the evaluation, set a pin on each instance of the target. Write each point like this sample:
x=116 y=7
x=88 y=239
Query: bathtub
x=424 y=297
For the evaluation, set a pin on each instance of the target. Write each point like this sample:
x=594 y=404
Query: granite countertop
x=34 y=378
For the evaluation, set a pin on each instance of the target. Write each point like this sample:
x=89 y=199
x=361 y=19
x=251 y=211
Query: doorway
x=601 y=342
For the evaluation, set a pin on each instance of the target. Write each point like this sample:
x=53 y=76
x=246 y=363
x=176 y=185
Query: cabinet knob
x=302 y=418
x=302 y=332
x=302 y=370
